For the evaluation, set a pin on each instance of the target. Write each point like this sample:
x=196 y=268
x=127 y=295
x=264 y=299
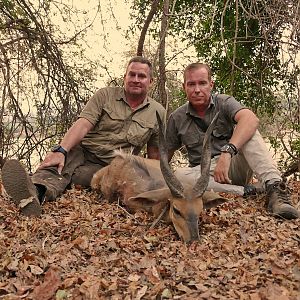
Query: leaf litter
x=83 y=247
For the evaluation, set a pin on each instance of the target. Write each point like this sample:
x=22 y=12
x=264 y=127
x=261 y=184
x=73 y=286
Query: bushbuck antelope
x=150 y=185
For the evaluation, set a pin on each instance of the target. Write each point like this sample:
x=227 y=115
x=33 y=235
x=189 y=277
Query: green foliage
x=179 y=99
x=295 y=145
x=228 y=42
x=252 y=48
x=241 y=46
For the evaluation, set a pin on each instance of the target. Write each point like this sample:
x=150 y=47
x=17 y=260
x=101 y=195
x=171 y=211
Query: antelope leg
x=190 y=176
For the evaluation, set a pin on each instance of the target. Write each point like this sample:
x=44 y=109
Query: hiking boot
x=20 y=188
x=278 y=201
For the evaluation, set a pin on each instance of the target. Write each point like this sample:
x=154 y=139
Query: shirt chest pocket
x=192 y=138
x=111 y=121
x=139 y=132
x=190 y=134
x=222 y=131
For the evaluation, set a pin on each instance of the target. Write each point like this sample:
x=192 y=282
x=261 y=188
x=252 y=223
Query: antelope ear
x=212 y=199
x=148 y=199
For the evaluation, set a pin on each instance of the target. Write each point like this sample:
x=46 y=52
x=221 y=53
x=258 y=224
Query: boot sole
x=18 y=185
x=286 y=213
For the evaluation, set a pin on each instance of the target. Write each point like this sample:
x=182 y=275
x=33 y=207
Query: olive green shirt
x=117 y=126
x=183 y=130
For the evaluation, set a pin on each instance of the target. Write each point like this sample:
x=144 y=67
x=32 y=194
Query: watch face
x=55 y=148
x=228 y=149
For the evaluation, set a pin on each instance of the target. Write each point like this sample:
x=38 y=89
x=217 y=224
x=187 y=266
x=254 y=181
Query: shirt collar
x=191 y=111
x=121 y=96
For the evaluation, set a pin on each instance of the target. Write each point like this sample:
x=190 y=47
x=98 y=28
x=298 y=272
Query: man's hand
x=222 y=169
x=53 y=159
x=72 y=138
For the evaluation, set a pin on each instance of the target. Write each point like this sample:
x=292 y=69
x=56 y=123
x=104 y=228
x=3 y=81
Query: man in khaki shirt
x=114 y=118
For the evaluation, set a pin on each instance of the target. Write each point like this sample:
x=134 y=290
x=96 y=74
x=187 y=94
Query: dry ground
x=86 y=248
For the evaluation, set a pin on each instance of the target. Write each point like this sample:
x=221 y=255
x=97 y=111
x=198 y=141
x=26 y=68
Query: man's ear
x=151 y=83
x=183 y=88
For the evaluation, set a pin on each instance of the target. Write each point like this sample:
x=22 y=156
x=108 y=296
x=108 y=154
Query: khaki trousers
x=253 y=159
x=79 y=168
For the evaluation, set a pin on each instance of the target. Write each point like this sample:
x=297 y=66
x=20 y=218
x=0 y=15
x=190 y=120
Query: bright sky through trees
x=106 y=39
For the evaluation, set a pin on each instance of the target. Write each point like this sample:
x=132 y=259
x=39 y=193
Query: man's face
x=197 y=87
x=137 y=80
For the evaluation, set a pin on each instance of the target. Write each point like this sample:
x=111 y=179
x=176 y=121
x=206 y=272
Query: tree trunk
x=152 y=12
x=163 y=97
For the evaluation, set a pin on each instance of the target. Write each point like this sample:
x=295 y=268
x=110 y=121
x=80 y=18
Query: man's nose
x=136 y=78
x=197 y=88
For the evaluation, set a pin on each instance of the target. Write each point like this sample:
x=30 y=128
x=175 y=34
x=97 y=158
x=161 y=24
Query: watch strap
x=60 y=149
x=233 y=147
x=229 y=148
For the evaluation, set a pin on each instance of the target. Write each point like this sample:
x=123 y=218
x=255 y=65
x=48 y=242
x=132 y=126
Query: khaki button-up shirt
x=117 y=126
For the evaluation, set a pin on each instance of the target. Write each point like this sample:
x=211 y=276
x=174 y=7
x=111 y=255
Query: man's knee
x=84 y=174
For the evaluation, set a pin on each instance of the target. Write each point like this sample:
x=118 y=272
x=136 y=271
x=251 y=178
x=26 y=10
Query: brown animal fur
x=148 y=184
x=128 y=176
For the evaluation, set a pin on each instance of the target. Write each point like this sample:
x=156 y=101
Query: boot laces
x=281 y=191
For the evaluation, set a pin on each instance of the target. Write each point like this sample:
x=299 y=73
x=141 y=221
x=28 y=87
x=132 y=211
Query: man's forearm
x=247 y=124
x=76 y=133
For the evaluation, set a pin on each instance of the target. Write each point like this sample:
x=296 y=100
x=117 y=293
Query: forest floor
x=83 y=247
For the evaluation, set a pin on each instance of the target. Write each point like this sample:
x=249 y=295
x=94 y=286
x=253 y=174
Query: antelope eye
x=176 y=212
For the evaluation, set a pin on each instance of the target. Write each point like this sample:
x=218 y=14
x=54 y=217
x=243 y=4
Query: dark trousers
x=79 y=169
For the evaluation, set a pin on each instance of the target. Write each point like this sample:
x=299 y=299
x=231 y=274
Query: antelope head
x=188 y=202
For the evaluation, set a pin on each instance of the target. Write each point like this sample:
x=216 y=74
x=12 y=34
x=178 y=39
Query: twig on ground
x=128 y=214
x=159 y=217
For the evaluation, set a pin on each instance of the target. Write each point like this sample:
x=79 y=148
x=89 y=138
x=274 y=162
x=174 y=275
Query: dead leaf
x=90 y=287
x=152 y=275
x=147 y=262
x=36 y=270
x=13 y=265
x=274 y=291
x=49 y=286
x=141 y=293
x=134 y=277
x=166 y=293
x=183 y=288
x=296 y=272
x=277 y=270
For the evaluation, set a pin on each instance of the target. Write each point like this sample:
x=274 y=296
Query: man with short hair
x=238 y=149
x=114 y=118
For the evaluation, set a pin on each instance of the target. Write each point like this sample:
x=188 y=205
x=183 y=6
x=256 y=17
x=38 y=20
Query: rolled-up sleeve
x=93 y=108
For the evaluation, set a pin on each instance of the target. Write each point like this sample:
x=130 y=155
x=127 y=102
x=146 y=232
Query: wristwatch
x=59 y=148
x=229 y=148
